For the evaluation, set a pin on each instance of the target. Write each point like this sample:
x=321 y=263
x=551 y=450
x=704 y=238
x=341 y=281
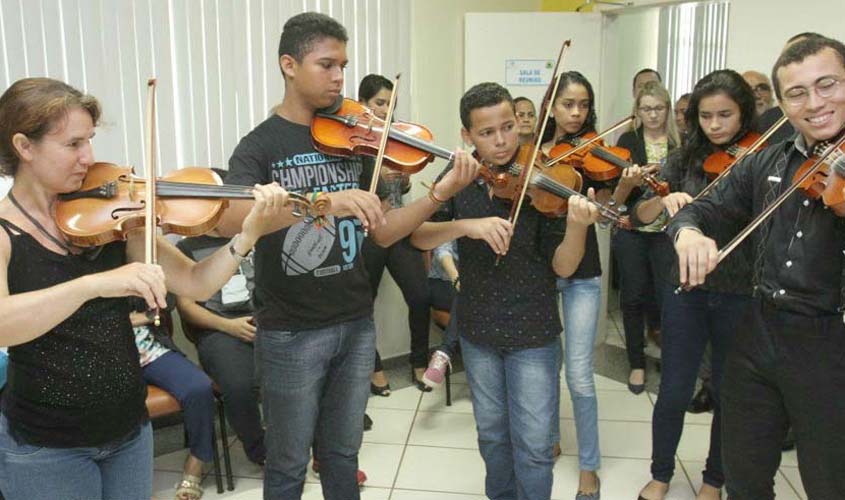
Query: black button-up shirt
x=512 y=305
x=799 y=265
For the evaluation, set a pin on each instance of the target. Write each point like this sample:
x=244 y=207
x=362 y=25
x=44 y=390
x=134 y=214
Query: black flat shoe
x=380 y=390
x=368 y=422
x=701 y=402
x=636 y=388
x=419 y=383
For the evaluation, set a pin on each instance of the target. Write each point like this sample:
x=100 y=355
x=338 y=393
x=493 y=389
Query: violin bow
x=388 y=119
x=527 y=170
x=546 y=103
x=150 y=226
x=770 y=209
x=750 y=149
x=621 y=123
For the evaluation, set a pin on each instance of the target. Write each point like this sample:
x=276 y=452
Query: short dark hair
x=303 y=30
x=371 y=85
x=646 y=70
x=684 y=96
x=802 y=49
x=806 y=34
x=482 y=95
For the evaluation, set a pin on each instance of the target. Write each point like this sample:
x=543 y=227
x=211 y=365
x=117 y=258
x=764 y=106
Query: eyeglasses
x=761 y=87
x=825 y=88
x=646 y=110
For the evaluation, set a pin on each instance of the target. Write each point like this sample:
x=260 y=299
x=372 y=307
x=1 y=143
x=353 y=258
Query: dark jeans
x=443 y=298
x=406 y=265
x=192 y=388
x=231 y=363
x=690 y=320
x=786 y=368
x=642 y=273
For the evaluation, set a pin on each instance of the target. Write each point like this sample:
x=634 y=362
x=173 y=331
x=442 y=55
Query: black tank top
x=79 y=384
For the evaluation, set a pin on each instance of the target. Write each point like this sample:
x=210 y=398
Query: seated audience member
x=443 y=284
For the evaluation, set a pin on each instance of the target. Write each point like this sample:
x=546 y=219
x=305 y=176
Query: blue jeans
x=122 y=470
x=315 y=385
x=580 y=302
x=514 y=396
x=186 y=382
x=691 y=320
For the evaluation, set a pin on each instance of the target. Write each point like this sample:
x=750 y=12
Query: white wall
x=758 y=29
x=629 y=44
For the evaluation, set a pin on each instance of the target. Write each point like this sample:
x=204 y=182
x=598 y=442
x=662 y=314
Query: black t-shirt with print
x=512 y=305
x=305 y=277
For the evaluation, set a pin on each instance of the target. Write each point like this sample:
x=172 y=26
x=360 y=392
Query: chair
x=161 y=403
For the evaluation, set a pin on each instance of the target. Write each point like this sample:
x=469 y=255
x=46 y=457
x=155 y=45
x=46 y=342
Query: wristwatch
x=238 y=257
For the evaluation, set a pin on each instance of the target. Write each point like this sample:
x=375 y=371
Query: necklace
x=61 y=244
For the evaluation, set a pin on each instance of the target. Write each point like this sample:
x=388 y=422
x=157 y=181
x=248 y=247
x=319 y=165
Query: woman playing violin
x=74 y=423
x=721 y=111
x=506 y=313
x=641 y=253
x=574 y=115
x=787 y=363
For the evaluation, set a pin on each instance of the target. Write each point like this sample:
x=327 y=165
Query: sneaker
x=436 y=371
x=360 y=476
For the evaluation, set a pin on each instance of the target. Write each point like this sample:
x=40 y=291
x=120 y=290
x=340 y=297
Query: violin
x=548 y=188
x=577 y=152
x=350 y=128
x=753 y=147
x=661 y=188
x=810 y=176
x=189 y=202
x=594 y=167
x=820 y=183
x=720 y=160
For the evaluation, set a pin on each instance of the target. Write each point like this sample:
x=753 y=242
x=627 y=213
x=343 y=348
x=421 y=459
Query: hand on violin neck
x=497 y=232
x=364 y=205
x=674 y=202
x=697 y=256
x=581 y=212
x=267 y=214
x=464 y=170
x=632 y=177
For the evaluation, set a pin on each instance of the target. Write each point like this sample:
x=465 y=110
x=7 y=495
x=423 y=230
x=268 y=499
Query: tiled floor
x=420 y=449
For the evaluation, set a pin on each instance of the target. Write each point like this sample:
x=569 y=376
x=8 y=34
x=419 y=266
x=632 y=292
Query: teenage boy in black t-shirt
x=314 y=307
x=507 y=313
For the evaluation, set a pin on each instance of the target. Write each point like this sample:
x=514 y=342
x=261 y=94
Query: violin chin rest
x=334 y=107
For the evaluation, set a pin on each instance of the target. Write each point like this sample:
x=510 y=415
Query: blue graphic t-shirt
x=305 y=277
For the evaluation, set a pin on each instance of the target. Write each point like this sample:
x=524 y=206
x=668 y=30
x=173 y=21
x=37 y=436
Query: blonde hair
x=31 y=107
x=659 y=92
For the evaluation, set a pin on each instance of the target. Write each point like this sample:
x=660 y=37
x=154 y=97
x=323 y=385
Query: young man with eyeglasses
x=788 y=366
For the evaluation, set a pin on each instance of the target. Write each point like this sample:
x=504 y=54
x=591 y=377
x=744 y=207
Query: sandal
x=190 y=488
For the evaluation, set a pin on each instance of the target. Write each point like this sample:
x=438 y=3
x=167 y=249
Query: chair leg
x=216 y=455
x=448 y=386
x=227 y=459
